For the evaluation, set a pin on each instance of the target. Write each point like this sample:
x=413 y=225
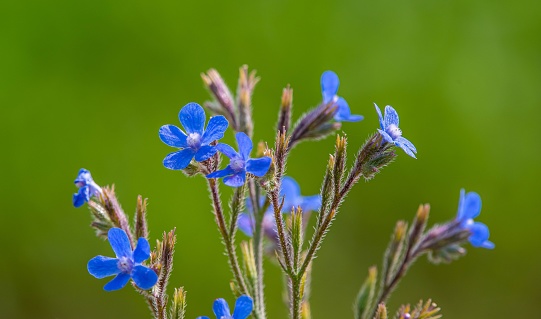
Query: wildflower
x=126 y=265
x=329 y=89
x=243 y=308
x=196 y=141
x=390 y=131
x=235 y=173
x=469 y=207
x=87 y=188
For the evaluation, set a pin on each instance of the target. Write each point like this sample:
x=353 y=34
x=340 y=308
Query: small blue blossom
x=240 y=163
x=243 y=308
x=329 y=89
x=391 y=132
x=469 y=207
x=87 y=188
x=126 y=265
x=291 y=192
x=196 y=141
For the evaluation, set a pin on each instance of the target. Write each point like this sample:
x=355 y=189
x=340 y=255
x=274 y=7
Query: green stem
x=258 y=250
x=229 y=244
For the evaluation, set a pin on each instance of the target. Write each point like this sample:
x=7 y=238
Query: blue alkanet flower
x=195 y=143
x=87 y=188
x=329 y=89
x=391 y=132
x=291 y=192
x=126 y=265
x=240 y=163
x=469 y=207
x=243 y=308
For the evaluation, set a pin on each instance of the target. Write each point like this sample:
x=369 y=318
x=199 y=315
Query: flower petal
x=142 y=251
x=258 y=166
x=221 y=308
x=479 y=235
x=391 y=117
x=221 y=173
x=83 y=178
x=246 y=224
x=202 y=317
x=386 y=137
x=118 y=282
x=119 y=242
x=235 y=180
x=245 y=145
x=192 y=117
x=205 y=152
x=311 y=203
x=243 y=307
x=380 y=117
x=329 y=85
x=343 y=113
x=292 y=192
x=227 y=150
x=101 y=266
x=81 y=197
x=407 y=143
x=215 y=129
x=471 y=206
x=405 y=148
x=173 y=136
x=144 y=277
x=178 y=160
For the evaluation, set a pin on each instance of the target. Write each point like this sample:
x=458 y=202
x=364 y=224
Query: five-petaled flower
x=243 y=308
x=291 y=192
x=391 y=132
x=329 y=89
x=469 y=207
x=87 y=188
x=126 y=265
x=240 y=163
x=196 y=141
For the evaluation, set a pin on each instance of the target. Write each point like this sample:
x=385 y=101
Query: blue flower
x=240 y=164
x=469 y=207
x=390 y=131
x=329 y=89
x=126 y=265
x=196 y=143
x=243 y=308
x=87 y=188
x=291 y=192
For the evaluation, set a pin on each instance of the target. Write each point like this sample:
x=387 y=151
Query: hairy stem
x=229 y=244
x=258 y=249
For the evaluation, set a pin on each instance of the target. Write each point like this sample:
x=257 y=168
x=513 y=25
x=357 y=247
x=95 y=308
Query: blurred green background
x=88 y=84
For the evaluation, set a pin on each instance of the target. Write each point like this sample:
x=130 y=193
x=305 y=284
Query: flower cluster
x=261 y=182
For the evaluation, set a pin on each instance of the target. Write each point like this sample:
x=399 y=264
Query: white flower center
x=393 y=131
x=194 y=140
x=237 y=164
x=125 y=265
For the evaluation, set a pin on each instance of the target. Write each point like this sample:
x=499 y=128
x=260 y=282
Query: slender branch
x=258 y=249
x=229 y=244
x=280 y=229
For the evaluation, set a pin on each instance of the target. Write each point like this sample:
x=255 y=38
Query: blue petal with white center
x=196 y=142
x=329 y=90
x=469 y=207
x=243 y=308
x=390 y=131
x=126 y=265
x=240 y=163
